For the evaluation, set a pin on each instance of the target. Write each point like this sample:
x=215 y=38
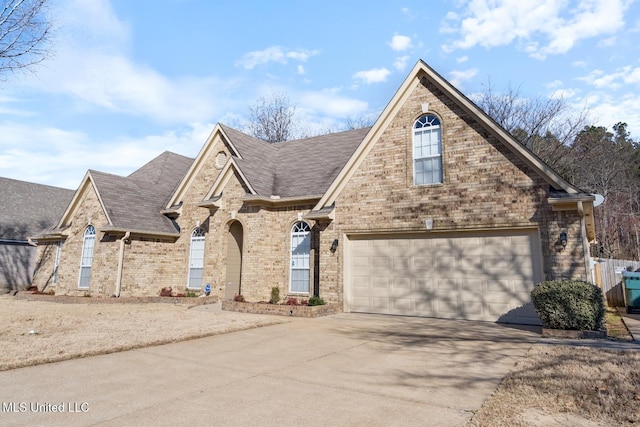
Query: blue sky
x=130 y=79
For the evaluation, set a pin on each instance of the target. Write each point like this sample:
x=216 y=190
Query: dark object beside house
x=631 y=290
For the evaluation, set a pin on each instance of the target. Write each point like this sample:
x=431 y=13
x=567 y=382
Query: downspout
x=121 y=263
x=585 y=243
x=31 y=242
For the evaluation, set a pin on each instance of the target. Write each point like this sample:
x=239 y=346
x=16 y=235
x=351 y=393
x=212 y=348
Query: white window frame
x=196 y=259
x=300 y=256
x=425 y=155
x=56 y=264
x=86 y=257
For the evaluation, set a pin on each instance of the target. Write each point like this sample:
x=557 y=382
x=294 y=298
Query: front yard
x=553 y=385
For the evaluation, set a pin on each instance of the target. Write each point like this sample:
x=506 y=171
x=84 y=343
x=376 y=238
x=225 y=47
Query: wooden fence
x=608 y=274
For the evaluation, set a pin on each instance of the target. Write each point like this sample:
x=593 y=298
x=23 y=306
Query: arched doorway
x=234 y=260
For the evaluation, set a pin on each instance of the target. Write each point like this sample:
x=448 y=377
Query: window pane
x=85 y=275
x=195 y=278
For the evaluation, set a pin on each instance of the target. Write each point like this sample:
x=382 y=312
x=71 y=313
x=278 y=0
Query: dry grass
x=561 y=385
x=34 y=332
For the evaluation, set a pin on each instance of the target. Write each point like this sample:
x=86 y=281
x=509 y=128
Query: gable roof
x=134 y=203
x=420 y=72
x=29 y=208
x=295 y=169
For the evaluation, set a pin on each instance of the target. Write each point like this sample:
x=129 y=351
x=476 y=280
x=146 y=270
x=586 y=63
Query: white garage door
x=475 y=276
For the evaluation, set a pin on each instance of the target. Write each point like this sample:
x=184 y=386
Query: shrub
x=316 y=301
x=569 y=305
x=190 y=294
x=275 y=295
x=238 y=298
x=292 y=301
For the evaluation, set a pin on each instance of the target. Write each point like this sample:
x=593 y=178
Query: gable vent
x=221 y=159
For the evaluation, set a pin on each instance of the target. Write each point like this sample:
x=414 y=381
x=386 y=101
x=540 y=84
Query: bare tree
x=24 y=33
x=547 y=126
x=271 y=119
x=359 y=122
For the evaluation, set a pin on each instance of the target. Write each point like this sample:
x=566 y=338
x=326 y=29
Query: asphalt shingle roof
x=28 y=208
x=303 y=167
x=134 y=202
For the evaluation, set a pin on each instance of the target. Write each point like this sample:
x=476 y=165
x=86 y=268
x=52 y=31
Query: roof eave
x=251 y=199
x=147 y=233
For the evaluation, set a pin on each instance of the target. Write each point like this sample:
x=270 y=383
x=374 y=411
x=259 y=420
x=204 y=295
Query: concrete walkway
x=346 y=369
x=632 y=320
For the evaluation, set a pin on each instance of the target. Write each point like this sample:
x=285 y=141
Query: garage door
x=474 y=276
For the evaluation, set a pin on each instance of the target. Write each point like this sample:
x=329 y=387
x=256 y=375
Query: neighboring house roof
x=29 y=208
x=134 y=203
x=296 y=168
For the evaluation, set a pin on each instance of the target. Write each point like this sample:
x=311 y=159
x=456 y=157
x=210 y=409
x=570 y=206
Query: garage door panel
x=424 y=284
x=403 y=283
x=402 y=263
x=403 y=304
x=445 y=263
x=477 y=276
x=360 y=261
x=472 y=285
x=423 y=263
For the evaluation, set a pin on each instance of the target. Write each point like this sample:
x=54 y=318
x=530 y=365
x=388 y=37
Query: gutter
x=585 y=242
x=122 y=241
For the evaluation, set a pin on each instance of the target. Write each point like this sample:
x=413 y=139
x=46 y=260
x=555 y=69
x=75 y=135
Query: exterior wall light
x=334 y=246
x=563 y=239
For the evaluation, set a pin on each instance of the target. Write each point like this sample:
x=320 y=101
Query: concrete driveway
x=342 y=370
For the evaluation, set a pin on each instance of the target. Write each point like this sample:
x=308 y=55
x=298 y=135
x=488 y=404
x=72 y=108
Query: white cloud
x=542 y=28
x=375 y=75
x=92 y=64
x=401 y=62
x=627 y=75
x=277 y=54
x=457 y=78
x=61 y=158
x=329 y=102
x=462 y=59
x=400 y=43
x=608 y=109
x=563 y=94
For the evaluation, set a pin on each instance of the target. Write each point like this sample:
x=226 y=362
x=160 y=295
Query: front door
x=234 y=260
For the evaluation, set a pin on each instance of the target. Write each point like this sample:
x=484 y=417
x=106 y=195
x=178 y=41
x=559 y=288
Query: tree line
x=592 y=157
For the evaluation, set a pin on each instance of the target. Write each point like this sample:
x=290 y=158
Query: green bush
x=275 y=295
x=569 y=305
x=316 y=301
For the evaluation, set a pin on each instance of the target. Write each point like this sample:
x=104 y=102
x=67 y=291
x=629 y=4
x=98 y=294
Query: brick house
x=434 y=211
